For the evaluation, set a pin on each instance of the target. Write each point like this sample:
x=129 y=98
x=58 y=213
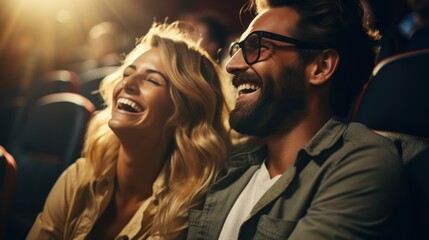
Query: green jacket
x=345 y=184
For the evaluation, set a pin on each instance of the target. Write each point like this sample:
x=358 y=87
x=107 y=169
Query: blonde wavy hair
x=201 y=139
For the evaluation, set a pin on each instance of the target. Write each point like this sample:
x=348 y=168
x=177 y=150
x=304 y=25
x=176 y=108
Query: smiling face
x=271 y=91
x=142 y=103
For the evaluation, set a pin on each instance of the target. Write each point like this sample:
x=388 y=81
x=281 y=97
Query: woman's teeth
x=128 y=105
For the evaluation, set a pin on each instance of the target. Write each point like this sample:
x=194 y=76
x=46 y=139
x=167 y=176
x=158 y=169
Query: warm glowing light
x=63 y=16
x=53 y=33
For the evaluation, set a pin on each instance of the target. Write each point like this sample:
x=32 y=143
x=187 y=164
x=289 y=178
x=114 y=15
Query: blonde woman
x=149 y=156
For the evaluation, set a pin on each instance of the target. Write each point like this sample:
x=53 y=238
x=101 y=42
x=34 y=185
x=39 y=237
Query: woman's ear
x=322 y=67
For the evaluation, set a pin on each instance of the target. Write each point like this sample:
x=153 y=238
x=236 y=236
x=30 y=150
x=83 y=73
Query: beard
x=280 y=104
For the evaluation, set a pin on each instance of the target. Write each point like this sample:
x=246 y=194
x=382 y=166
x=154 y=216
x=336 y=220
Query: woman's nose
x=130 y=85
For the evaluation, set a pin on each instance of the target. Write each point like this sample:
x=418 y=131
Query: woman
x=151 y=154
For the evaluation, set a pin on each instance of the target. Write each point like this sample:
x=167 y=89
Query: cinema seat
x=394 y=104
x=49 y=140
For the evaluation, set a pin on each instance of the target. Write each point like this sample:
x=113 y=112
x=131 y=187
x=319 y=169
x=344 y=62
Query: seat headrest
x=397 y=96
x=57 y=121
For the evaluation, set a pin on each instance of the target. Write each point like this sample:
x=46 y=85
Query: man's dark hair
x=338 y=25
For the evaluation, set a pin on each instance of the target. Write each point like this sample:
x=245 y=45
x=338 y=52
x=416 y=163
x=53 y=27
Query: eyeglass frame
x=273 y=36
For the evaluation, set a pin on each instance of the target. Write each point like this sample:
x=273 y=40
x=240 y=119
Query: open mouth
x=246 y=88
x=128 y=105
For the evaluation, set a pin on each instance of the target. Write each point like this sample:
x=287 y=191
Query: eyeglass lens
x=250 y=47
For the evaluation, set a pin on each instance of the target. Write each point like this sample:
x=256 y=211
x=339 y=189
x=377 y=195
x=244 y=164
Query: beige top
x=72 y=207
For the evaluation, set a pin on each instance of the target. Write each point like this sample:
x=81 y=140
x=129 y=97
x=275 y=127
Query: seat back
x=415 y=155
x=8 y=177
x=11 y=103
x=397 y=95
x=55 y=81
x=418 y=181
x=394 y=104
x=49 y=140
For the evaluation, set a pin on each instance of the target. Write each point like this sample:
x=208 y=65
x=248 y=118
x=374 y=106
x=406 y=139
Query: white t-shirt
x=251 y=194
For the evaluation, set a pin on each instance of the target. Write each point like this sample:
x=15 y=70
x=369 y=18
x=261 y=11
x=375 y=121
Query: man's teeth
x=130 y=104
x=242 y=88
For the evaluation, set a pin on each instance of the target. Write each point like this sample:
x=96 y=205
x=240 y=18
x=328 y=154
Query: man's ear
x=322 y=67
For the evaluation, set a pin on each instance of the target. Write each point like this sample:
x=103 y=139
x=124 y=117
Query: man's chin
x=251 y=130
x=249 y=127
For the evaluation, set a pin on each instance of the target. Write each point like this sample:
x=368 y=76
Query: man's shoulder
x=360 y=135
x=361 y=148
x=353 y=143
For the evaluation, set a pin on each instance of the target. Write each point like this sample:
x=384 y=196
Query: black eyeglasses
x=251 y=45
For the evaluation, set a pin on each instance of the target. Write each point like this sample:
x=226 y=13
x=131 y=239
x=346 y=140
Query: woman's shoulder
x=78 y=169
x=76 y=174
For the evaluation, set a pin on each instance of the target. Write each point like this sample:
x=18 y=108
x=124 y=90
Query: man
x=297 y=68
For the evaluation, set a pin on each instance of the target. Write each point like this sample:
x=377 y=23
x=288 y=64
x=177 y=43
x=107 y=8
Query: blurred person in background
x=213 y=29
x=104 y=46
x=416 y=21
x=404 y=19
x=215 y=33
x=149 y=156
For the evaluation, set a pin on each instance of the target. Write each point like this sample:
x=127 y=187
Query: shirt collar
x=145 y=212
x=326 y=137
x=251 y=157
x=110 y=174
x=144 y=215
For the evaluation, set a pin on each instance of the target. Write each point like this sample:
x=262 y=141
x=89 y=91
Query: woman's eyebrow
x=132 y=67
x=158 y=72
